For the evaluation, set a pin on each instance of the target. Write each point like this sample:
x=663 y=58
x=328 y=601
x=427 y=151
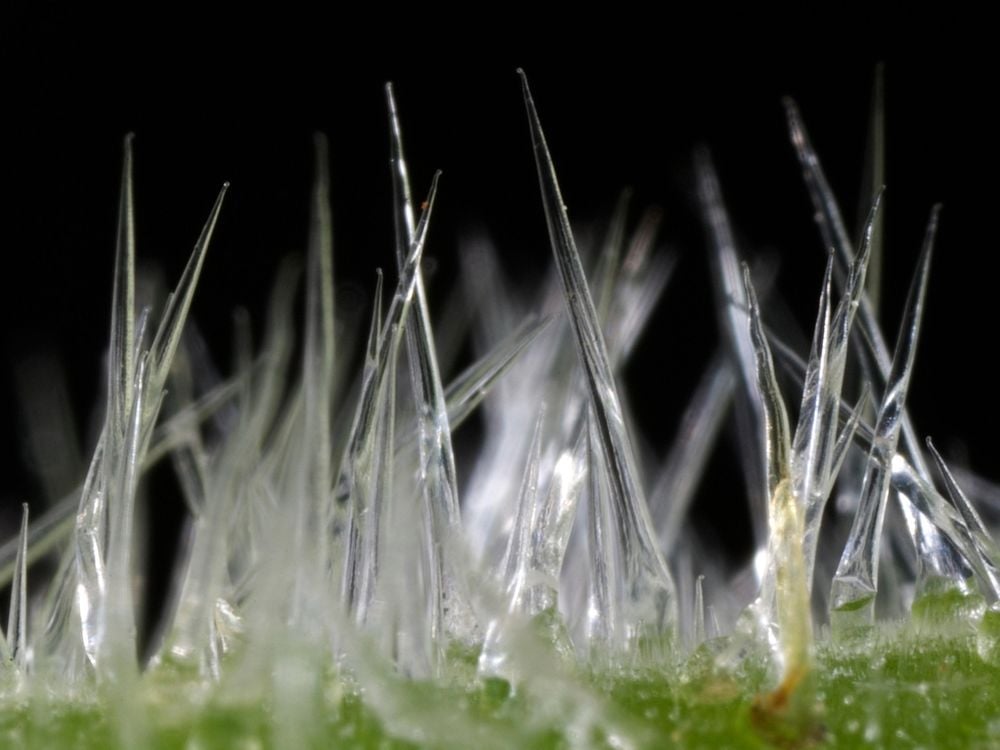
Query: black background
x=621 y=107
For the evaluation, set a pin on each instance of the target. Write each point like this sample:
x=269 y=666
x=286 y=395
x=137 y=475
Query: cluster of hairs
x=326 y=533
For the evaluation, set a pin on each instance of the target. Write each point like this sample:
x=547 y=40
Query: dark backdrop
x=619 y=109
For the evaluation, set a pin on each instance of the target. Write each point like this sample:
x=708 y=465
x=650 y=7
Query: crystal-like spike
x=118 y=629
x=357 y=477
x=16 y=640
x=168 y=334
x=92 y=517
x=90 y=528
x=784 y=596
x=437 y=458
x=776 y=428
x=650 y=597
x=913 y=491
x=931 y=551
x=121 y=365
x=102 y=575
x=815 y=436
x=44 y=534
x=356 y=473
x=375 y=534
x=856 y=580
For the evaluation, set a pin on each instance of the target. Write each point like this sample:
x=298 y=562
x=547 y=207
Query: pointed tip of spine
x=796 y=127
x=428 y=205
x=213 y=215
x=926 y=252
x=934 y=452
x=930 y=236
x=877 y=200
x=754 y=307
x=390 y=100
x=825 y=298
x=871 y=219
x=528 y=99
x=434 y=187
x=873 y=213
x=395 y=130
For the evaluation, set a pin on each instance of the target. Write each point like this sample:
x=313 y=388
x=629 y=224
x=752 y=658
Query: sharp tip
x=831 y=254
x=930 y=235
x=390 y=98
x=938 y=458
x=752 y=304
x=428 y=203
x=794 y=118
x=525 y=87
x=217 y=206
x=395 y=130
